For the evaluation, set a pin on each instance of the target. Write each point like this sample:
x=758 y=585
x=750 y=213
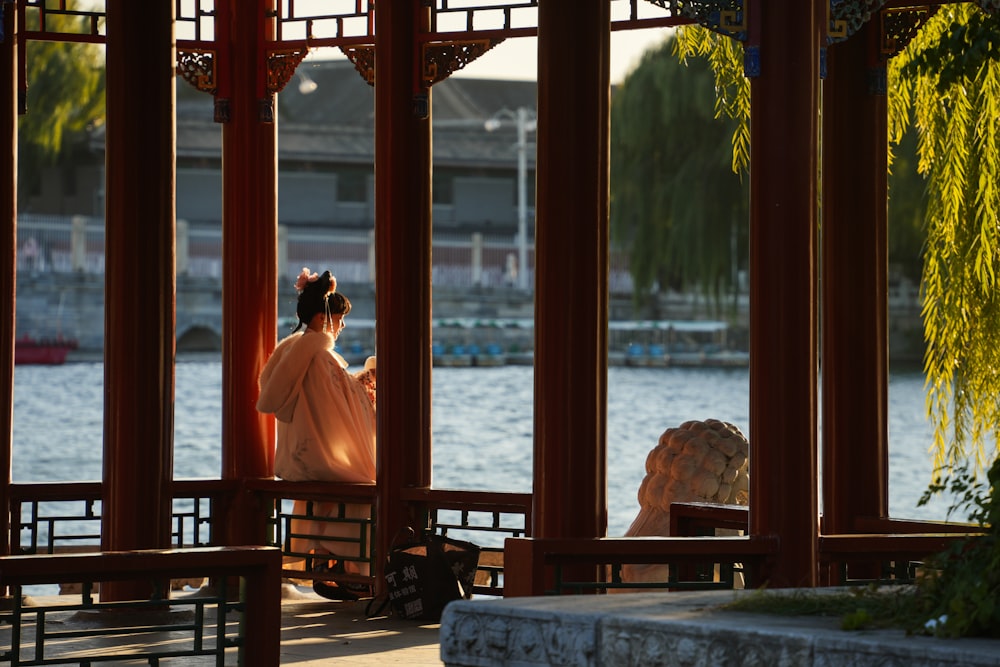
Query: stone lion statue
x=699 y=461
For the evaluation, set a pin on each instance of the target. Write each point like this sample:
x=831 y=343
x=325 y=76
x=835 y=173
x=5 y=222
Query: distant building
x=326 y=156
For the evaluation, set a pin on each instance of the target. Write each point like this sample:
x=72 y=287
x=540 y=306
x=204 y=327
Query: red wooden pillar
x=249 y=253
x=783 y=305
x=8 y=249
x=402 y=265
x=139 y=319
x=571 y=240
x=855 y=285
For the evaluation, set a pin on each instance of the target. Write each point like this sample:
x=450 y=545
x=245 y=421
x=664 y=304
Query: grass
x=864 y=607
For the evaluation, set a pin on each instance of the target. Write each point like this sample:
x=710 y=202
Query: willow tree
x=65 y=98
x=675 y=203
x=946 y=85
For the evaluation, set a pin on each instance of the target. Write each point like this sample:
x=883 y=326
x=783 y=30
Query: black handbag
x=424 y=575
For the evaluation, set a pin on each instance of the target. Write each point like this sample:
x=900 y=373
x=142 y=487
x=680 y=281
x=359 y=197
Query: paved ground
x=315 y=631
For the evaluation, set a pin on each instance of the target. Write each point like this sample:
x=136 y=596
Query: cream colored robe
x=325 y=430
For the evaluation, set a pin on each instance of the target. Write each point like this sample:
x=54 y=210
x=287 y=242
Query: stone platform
x=686 y=629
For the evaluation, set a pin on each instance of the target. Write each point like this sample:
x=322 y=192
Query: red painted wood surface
x=855 y=287
x=8 y=248
x=249 y=258
x=783 y=271
x=570 y=481
x=139 y=318
x=403 y=268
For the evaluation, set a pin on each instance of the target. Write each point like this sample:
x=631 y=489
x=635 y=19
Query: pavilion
x=243 y=52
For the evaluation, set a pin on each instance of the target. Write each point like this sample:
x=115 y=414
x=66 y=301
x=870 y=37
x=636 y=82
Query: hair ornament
x=306 y=276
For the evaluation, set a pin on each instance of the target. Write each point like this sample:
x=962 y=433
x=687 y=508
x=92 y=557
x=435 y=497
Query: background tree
x=946 y=86
x=675 y=202
x=65 y=97
x=907 y=209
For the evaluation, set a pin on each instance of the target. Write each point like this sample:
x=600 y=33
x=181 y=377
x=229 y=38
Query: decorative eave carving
x=197 y=67
x=441 y=59
x=900 y=25
x=726 y=17
x=281 y=64
x=849 y=16
x=363 y=59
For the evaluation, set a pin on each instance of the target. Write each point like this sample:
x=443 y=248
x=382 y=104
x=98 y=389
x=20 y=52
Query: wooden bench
x=259 y=566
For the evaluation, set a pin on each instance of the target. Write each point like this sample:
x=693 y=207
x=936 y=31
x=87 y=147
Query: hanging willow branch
x=946 y=84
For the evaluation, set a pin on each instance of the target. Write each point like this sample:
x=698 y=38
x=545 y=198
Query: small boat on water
x=51 y=351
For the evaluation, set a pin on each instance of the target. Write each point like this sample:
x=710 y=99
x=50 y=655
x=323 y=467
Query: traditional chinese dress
x=325 y=431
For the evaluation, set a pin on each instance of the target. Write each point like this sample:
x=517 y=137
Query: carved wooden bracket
x=281 y=66
x=848 y=16
x=441 y=59
x=363 y=59
x=197 y=67
x=899 y=26
x=726 y=17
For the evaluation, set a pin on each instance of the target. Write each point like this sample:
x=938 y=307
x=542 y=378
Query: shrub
x=960 y=595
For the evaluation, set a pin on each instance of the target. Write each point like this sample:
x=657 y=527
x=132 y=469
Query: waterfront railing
x=75 y=244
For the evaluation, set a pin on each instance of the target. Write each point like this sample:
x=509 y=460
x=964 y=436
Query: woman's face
x=336 y=324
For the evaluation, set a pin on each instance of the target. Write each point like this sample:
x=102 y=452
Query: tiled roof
x=335 y=123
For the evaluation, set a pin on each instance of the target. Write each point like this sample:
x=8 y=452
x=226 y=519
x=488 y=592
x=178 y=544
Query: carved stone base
x=685 y=629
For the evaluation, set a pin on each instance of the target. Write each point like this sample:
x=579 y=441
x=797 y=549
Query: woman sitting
x=325 y=429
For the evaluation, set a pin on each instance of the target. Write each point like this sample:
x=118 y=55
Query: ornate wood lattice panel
x=726 y=17
x=848 y=16
x=197 y=67
x=281 y=66
x=899 y=26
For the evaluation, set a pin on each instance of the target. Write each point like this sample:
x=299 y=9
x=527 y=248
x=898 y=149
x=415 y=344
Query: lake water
x=482 y=426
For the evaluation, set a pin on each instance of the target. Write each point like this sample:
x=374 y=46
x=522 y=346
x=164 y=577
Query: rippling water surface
x=482 y=426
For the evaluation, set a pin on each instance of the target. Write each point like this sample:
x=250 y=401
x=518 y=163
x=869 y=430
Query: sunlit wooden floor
x=315 y=631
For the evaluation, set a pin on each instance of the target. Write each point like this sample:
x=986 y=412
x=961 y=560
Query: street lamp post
x=526 y=121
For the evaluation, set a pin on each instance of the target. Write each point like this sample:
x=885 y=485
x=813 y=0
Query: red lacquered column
x=783 y=271
x=403 y=266
x=249 y=255
x=139 y=281
x=854 y=346
x=8 y=250
x=571 y=237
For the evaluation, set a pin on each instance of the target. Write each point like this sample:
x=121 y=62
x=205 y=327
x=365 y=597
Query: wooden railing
x=357 y=534
x=537 y=566
x=486 y=518
x=882 y=550
x=52 y=517
x=60 y=517
x=891 y=551
x=66 y=517
x=256 y=631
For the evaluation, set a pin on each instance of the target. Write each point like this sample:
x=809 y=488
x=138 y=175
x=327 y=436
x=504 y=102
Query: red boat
x=29 y=350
